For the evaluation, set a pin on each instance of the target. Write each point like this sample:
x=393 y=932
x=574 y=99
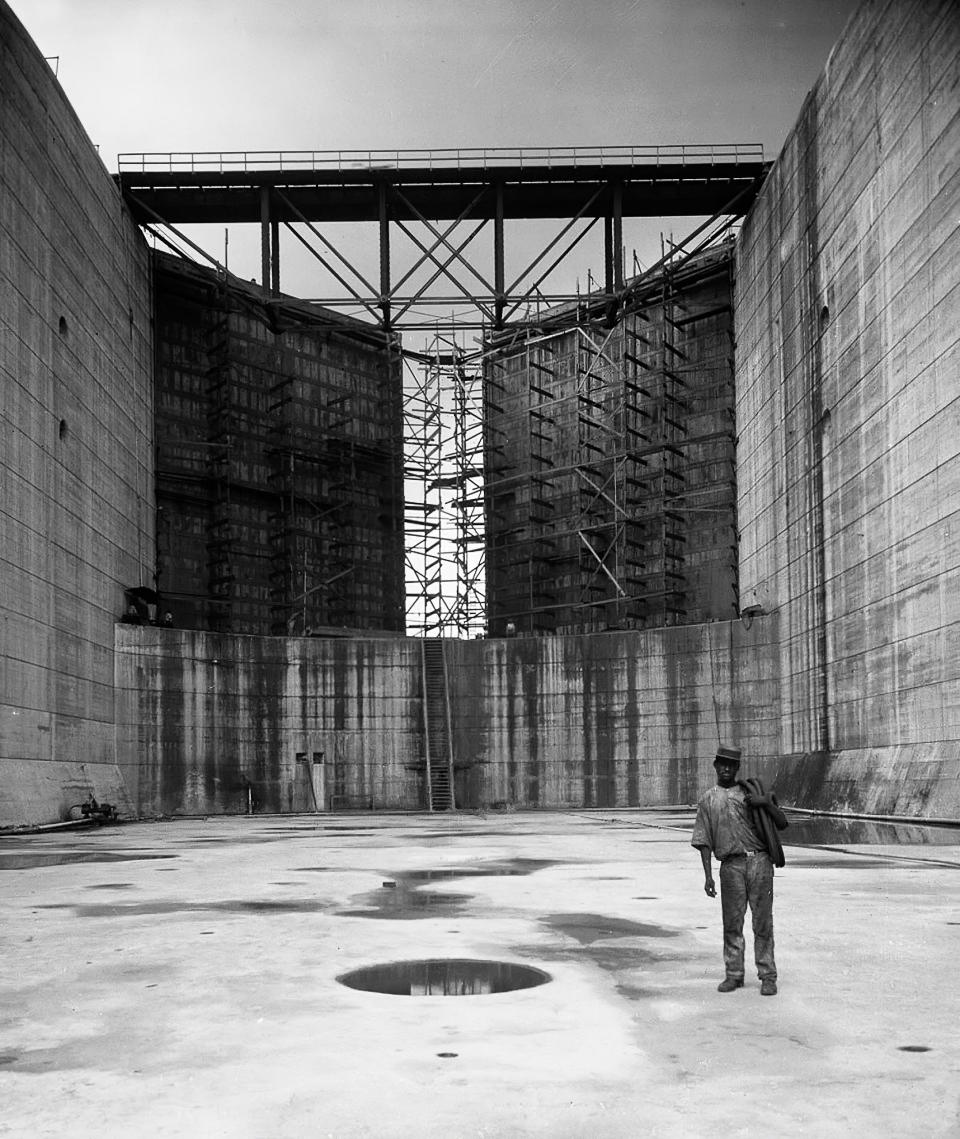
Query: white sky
x=188 y=75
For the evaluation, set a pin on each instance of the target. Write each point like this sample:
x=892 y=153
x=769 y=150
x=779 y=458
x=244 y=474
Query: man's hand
x=709 y=888
x=759 y=800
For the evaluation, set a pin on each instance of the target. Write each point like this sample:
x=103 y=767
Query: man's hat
x=728 y=754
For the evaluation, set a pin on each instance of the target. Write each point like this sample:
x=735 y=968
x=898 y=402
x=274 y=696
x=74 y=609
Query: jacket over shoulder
x=764 y=822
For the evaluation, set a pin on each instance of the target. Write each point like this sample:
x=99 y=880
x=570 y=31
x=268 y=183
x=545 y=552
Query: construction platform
x=180 y=978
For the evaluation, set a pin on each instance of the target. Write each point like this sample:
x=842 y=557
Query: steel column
x=275 y=255
x=265 y=275
x=384 y=216
x=498 y=263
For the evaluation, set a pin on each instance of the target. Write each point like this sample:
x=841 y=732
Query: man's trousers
x=747 y=879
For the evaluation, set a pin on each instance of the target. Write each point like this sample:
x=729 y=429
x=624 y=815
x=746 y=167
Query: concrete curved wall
x=848 y=338
x=76 y=524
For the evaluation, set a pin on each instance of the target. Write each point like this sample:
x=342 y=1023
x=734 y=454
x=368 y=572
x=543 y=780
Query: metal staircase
x=437 y=736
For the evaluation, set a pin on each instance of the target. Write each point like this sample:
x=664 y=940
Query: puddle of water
x=588 y=928
x=913 y=1048
x=445 y=978
x=37 y=858
x=112 y=886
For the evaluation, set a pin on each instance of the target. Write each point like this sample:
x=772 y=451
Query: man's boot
x=730 y=984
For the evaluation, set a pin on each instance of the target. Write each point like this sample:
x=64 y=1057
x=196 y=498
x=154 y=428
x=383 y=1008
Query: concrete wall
x=848 y=318
x=613 y=719
x=203 y=717
x=76 y=521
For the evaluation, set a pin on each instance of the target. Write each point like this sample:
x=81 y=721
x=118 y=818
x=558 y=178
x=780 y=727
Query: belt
x=744 y=854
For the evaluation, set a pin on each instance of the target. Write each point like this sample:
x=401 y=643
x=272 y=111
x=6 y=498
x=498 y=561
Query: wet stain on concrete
x=914 y=1048
x=313 y=869
x=588 y=928
x=141 y=909
x=240 y=840
x=616 y=958
x=634 y=992
x=405 y=903
x=9 y=1057
x=111 y=886
x=424 y=836
x=327 y=828
x=400 y=898
x=33 y=859
x=610 y=958
x=514 y=867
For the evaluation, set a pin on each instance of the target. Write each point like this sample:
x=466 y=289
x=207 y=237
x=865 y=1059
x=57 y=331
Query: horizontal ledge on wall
x=907 y=820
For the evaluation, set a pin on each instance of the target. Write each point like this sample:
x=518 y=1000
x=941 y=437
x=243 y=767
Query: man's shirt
x=723 y=823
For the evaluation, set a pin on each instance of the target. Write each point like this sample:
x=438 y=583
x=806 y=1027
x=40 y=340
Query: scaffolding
x=609 y=458
x=443 y=432
x=279 y=463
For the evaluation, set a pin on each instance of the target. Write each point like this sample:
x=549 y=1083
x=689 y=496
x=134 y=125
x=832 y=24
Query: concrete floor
x=180 y=979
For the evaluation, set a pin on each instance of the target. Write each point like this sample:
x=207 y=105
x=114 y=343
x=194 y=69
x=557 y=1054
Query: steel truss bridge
x=440 y=200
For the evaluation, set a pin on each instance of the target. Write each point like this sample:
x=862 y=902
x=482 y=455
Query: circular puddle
x=444 y=977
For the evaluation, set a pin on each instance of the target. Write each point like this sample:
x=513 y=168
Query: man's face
x=726 y=772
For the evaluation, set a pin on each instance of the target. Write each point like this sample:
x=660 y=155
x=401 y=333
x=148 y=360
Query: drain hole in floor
x=444 y=977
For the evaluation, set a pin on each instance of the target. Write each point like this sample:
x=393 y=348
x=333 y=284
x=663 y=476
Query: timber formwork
x=279 y=462
x=609 y=459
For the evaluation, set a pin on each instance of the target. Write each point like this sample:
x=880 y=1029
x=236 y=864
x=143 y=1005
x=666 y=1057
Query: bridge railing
x=251 y=161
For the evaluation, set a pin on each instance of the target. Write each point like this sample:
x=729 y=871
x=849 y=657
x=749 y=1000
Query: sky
x=192 y=75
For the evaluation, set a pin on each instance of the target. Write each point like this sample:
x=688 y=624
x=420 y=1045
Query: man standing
x=725 y=829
